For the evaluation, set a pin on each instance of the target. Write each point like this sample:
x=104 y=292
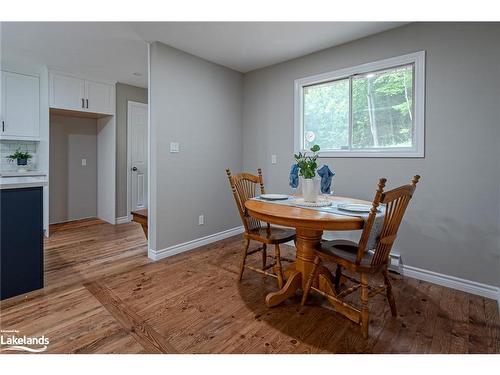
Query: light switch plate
x=84 y=162
x=273 y=159
x=174 y=146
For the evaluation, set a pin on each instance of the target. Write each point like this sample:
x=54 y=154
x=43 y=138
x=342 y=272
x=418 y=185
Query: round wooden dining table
x=309 y=225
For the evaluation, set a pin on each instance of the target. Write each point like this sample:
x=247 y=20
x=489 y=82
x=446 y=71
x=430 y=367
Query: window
x=372 y=110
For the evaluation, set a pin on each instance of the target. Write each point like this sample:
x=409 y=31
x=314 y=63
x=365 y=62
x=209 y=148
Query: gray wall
x=452 y=225
x=124 y=93
x=198 y=104
x=73 y=187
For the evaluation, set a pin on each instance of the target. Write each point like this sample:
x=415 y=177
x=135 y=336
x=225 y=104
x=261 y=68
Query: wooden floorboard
x=103 y=295
x=73 y=320
x=142 y=332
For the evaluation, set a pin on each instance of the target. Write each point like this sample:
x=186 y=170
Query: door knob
x=134 y=169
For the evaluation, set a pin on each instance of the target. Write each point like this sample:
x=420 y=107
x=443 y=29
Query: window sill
x=371 y=154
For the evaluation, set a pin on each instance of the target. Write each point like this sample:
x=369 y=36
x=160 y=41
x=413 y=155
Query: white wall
x=198 y=104
x=106 y=168
x=452 y=225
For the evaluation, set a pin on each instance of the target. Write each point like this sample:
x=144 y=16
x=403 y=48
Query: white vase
x=310 y=188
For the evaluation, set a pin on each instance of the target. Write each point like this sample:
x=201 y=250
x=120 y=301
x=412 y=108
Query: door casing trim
x=129 y=161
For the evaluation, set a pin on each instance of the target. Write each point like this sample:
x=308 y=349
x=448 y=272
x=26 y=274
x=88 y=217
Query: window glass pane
x=326 y=115
x=382 y=109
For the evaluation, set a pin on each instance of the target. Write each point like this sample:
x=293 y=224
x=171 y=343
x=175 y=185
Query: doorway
x=137 y=156
x=82 y=167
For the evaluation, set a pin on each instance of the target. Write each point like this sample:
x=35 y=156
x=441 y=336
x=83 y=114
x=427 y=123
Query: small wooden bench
x=141 y=217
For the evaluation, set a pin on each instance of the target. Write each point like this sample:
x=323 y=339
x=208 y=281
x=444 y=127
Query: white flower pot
x=310 y=188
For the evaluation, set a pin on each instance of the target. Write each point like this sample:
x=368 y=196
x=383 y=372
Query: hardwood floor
x=103 y=295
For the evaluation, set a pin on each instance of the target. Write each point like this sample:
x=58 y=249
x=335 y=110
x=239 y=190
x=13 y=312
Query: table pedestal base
x=293 y=283
x=308 y=241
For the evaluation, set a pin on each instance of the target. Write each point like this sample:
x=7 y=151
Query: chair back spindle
x=244 y=187
x=395 y=202
x=369 y=222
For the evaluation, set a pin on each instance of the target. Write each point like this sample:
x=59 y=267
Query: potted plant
x=307 y=172
x=21 y=157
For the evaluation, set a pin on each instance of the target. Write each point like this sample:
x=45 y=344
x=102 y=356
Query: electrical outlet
x=174 y=147
x=84 y=162
x=201 y=220
x=273 y=159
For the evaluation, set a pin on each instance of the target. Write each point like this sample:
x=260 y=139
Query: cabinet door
x=67 y=92
x=21 y=243
x=99 y=96
x=20 y=106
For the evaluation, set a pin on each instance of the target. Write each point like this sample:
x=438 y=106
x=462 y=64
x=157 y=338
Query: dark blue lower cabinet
x=21 y=241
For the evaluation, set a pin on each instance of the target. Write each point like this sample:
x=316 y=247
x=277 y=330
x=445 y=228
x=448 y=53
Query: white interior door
x=138 y=155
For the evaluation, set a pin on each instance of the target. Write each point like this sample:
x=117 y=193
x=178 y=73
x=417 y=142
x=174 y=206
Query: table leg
x=293 y=283
x=307 y=241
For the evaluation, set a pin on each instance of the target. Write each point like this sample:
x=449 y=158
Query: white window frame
x=417 y=151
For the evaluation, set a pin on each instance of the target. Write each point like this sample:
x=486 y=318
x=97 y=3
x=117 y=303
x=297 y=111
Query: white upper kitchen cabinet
x=20 y=107
x=77 y=94
x=99 y=97
x=67 y=92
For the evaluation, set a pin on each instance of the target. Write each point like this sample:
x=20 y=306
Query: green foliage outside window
x=382 y=111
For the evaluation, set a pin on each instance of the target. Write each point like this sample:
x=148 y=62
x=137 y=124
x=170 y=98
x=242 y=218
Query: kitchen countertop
x=19 y=174
x=19 y=182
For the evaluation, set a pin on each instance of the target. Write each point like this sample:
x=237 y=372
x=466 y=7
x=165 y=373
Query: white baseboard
x=473 y=287
x=498 y=300
x=70 y=220
x=123 y=220
x=193 y=244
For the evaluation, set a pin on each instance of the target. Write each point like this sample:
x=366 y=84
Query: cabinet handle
x=3 y=125
x=87 y=103
x=83 y=103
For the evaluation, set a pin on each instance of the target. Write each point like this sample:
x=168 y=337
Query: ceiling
x=108 y=51
x=116 y=50
x=246 y=46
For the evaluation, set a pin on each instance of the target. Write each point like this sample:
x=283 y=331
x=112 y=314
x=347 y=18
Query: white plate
x=274 y=197
x=355 y=207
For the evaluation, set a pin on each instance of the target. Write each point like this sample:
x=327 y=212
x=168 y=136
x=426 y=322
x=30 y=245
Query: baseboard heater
x=395 y=263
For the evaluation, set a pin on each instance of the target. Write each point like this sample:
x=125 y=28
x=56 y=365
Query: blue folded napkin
x=293 y=179
x=326 y=178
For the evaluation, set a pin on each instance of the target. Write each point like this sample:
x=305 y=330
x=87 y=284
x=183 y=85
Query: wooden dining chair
x=356 y=258
x=244 y=187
